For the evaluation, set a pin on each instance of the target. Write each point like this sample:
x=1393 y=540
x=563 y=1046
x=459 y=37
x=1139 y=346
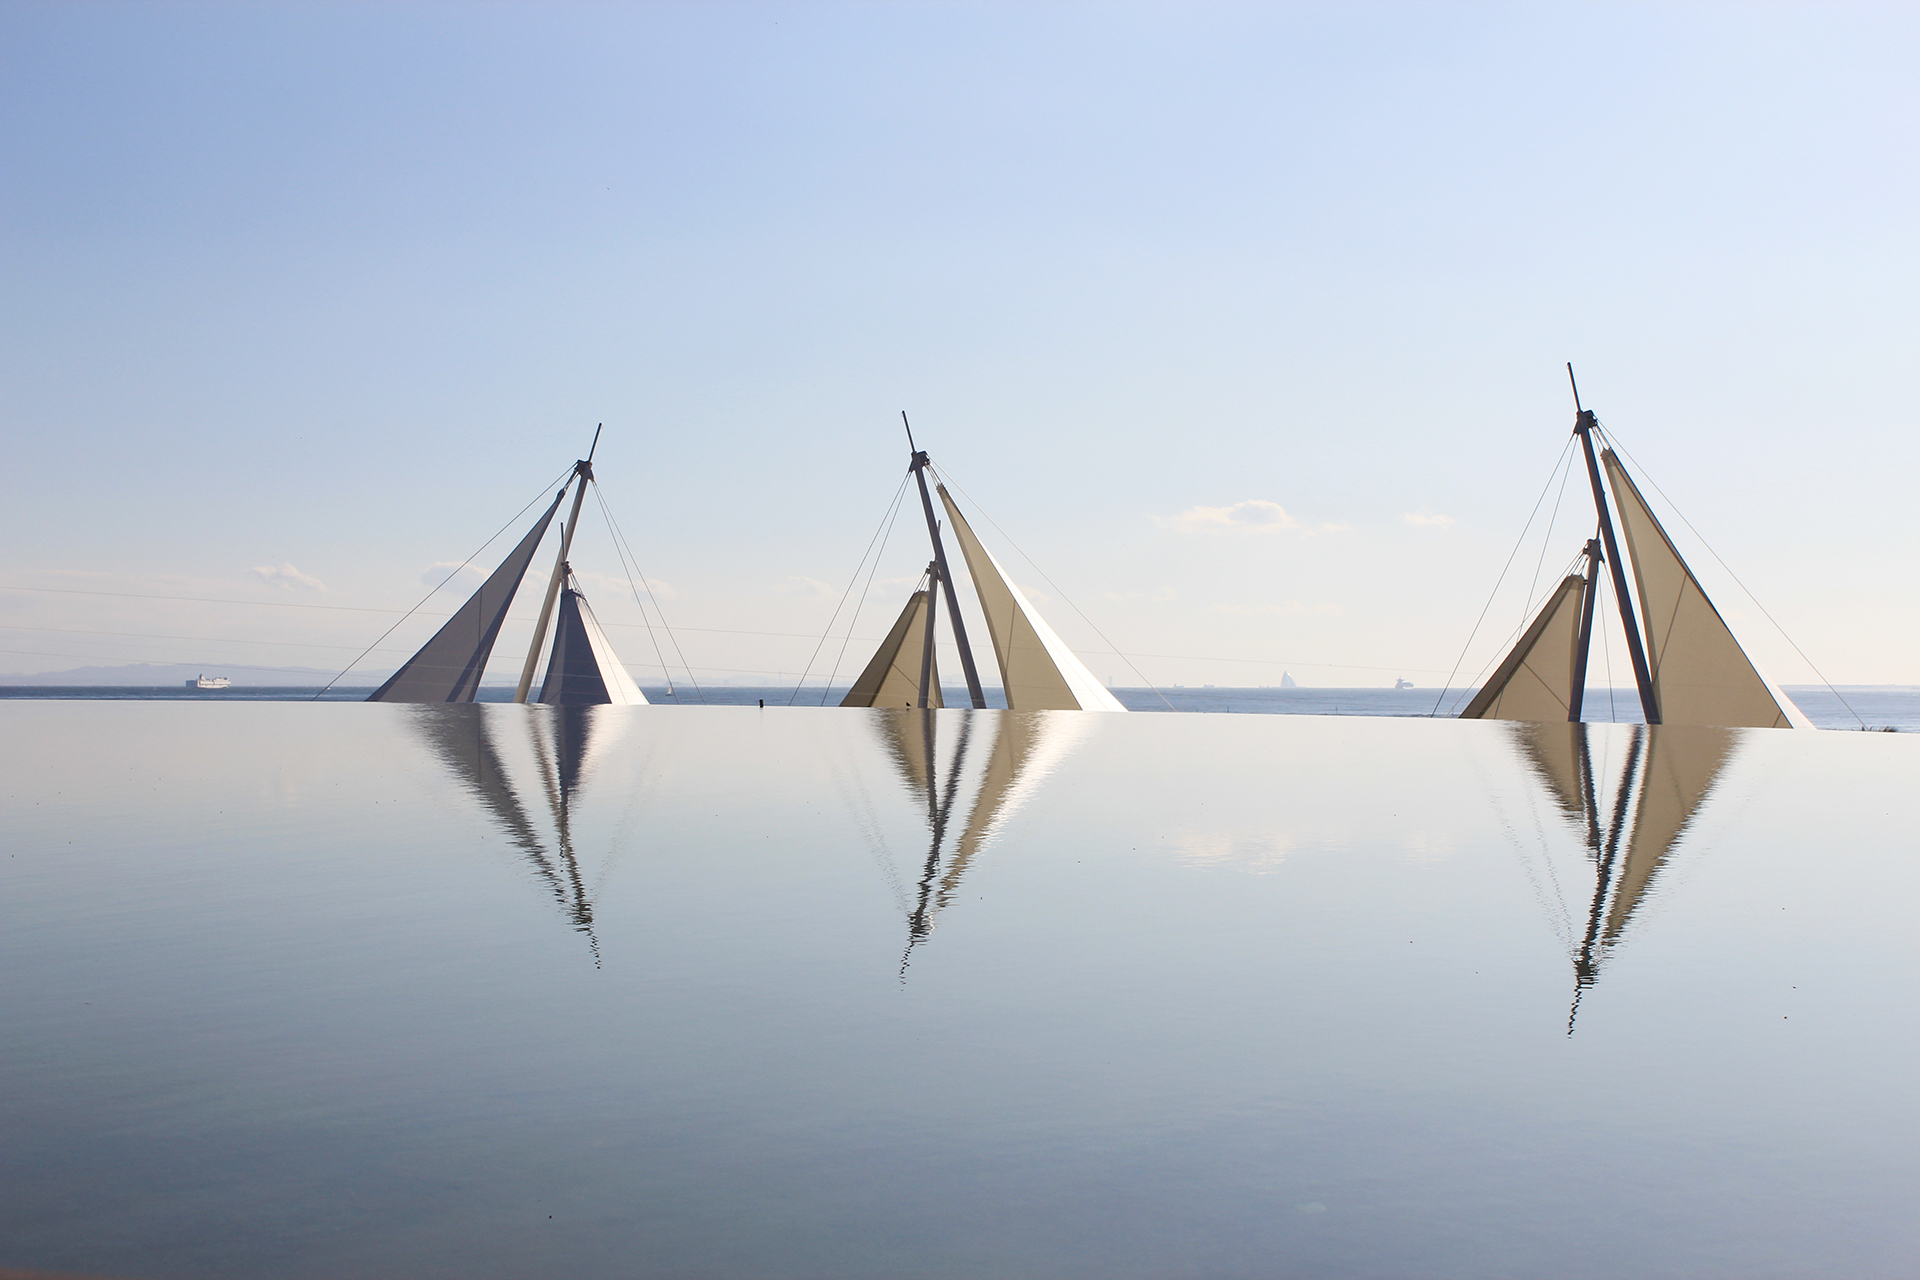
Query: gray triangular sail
x=449 y=666
x=1535 y=681
x=1701 y=676
x=582 y=669
x=892 y=678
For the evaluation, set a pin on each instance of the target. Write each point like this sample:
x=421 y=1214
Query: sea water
x=500 y=991
x=1851 y=707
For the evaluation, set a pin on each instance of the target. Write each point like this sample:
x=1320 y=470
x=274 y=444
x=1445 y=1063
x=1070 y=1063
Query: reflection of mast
x=1664 y=780
x=461 y=736
x=1026 y=747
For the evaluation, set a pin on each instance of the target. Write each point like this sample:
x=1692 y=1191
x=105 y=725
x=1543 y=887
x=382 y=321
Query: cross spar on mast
x=946 y=579
x=582 y=474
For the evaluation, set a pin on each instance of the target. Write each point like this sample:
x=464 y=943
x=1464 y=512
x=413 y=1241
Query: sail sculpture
x=1037 y=669
x=448 y=667
x=1690 y=671
x=582 y=668
x=892 y=677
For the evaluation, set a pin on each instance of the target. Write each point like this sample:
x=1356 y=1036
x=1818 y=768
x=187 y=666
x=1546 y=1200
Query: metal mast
x=582 y=476
x=1583 y=424
x=918 y=467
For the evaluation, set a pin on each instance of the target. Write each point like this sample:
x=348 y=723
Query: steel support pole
x=1576 y=698
x=582 y=473
x=926 y=646
x=946 y=584
x=1583 y=427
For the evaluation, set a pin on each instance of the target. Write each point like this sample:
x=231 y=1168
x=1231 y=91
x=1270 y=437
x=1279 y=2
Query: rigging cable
x=885 y=526
x=449 y=578
x=853 y=621
x=1502 y=578
x=1111 y=646
x=661 y=658
x=1613 y=443
x=672 y=639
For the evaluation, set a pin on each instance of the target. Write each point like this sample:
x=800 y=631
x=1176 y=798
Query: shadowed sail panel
x=582 y=668
x=892 y=678
x=1037 y=669
x=1535 y=680
x=1701 y=676
x=449 y=666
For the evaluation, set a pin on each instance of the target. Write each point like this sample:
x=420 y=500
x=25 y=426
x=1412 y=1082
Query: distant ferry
x=209 y=682
x=1403 y=684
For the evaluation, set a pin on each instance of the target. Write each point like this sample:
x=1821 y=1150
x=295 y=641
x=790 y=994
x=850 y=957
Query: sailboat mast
x=946 y=579
x=582 y=473
x=1583 y=427
x=926 y=646
x=1576 y=696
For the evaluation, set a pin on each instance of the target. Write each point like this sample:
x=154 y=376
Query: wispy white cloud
x=1426 y=517
x=288 y=578
x=609 y=586
x=800 y=584
x=436 y=573
x=1256 y=515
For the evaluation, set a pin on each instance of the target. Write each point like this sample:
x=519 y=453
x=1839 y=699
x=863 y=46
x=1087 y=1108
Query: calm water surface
x=495 y=991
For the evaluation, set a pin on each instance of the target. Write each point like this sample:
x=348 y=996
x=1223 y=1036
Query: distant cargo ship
x=209 y=682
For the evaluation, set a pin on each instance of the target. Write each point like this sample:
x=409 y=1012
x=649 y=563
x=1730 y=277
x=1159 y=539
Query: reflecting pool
x=496 y=991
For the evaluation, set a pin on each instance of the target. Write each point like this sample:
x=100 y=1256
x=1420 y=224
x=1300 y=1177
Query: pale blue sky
x=339 y=287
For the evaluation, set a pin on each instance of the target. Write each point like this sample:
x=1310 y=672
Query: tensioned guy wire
x=444 y=581
x=672 y=639
x=646 y=621
x=884 y=527
x=854 y=620
x=1517 y=542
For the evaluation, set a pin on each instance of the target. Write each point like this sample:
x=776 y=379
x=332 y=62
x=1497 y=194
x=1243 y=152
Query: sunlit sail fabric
x=1681 y=766
x=892 y=678
x=1037 y=669
x=1535 y=680
x=582 y=668
x=449 y=666
x=1701 y=676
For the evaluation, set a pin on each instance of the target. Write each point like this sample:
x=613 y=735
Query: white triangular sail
x=1535 y=680
x=582 y=668
x=892 y=678
x=1037 y=669
x=1701 y=675
x=448 y=667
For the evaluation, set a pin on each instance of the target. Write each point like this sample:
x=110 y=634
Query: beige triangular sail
x=1535 y=680
x=892 y=678
x=1701 y=676
x=1681 y=767
x=1037 y=669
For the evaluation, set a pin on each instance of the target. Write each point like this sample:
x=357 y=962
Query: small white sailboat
x=1690 y=669
x=582 y=668
x=1037 y=670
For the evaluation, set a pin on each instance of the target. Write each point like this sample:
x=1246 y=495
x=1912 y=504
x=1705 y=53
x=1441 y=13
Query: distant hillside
x=157 y=674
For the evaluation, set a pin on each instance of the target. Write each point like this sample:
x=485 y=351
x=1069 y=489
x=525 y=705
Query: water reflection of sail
x=564 y=740
x=1666 y=776
x=1026 y=747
